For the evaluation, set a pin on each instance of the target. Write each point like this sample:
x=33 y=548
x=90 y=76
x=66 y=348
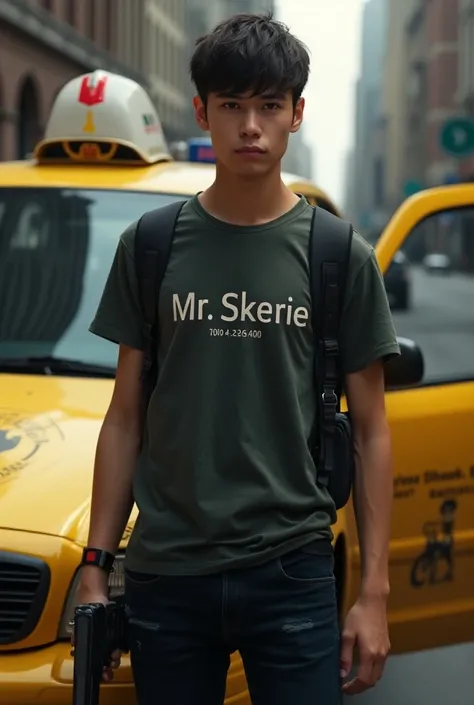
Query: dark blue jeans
x=281 y=617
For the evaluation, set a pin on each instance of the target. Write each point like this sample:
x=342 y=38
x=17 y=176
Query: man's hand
x=92 y=591
x=365 y=627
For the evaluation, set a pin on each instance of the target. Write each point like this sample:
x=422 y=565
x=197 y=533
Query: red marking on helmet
x=92 y=93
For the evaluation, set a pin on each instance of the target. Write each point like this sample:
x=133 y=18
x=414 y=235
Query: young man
x=232 y=546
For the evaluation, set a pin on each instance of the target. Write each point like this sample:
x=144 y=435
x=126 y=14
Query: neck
x=243 y=201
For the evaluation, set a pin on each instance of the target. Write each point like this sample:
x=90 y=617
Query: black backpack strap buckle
x=330 y=246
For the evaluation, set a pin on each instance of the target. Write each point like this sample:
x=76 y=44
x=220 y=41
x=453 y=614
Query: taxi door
x=427 y=256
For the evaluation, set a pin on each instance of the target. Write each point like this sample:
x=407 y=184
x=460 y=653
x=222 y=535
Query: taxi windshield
x=56 y=248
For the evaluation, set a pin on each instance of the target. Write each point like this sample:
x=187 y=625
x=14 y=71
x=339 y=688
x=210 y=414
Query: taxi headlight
x=116 y=590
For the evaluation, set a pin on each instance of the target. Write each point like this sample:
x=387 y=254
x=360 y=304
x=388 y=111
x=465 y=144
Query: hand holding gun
x=99 y=637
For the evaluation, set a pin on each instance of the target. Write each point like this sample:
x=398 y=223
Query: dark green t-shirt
x=226 y=478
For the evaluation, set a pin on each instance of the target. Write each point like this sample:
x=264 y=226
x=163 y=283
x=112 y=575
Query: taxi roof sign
x=103 y=117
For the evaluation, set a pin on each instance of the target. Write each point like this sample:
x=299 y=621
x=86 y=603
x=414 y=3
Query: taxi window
x=56 y=248
x=430 y=286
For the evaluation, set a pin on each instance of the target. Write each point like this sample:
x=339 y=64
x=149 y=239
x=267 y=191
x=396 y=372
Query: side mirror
x=406 y=369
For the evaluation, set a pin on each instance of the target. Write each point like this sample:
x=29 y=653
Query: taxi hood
x=48 y=434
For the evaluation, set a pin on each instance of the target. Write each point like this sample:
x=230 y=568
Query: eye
x=230 y=105
x=271 y=106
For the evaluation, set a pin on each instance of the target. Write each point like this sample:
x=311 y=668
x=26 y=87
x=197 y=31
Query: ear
x=298 y=115
x=200 y=113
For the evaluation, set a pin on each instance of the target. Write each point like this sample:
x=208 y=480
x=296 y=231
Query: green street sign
x=457 y=136
x=411 y=187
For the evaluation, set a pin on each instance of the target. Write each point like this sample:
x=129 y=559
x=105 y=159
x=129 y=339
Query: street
x=441 y=321
x=432 y=677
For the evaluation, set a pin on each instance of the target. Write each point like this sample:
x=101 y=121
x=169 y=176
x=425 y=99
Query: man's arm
x=116 y=456
x=368 y=339
x=366 y=623
x=119 y=320
x=373 y=484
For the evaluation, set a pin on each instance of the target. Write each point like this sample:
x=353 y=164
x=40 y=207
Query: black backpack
x=330 y=247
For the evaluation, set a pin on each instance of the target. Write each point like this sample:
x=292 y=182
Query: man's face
x=249 y=133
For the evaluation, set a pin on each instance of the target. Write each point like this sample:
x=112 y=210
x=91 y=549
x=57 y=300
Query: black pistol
x=98 y=631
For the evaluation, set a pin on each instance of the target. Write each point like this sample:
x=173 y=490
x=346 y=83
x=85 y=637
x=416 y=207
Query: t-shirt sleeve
x=118 y=317
x=367 y=328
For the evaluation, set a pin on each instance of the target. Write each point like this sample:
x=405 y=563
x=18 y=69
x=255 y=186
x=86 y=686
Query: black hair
x=250 y=53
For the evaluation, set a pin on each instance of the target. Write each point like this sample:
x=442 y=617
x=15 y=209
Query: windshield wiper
x=50 y=365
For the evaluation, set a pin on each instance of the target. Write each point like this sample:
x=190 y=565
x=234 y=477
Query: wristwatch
x=98 y=557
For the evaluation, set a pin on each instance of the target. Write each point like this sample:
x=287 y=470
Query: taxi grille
x=24 y=585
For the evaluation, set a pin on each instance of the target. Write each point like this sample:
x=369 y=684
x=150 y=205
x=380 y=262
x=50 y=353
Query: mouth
x=250 y=150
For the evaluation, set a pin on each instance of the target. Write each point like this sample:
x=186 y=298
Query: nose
x=250 y=126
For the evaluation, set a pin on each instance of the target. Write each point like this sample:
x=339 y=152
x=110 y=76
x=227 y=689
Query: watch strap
x=98 y=557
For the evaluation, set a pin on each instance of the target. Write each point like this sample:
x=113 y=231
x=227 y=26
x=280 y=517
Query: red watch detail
x=98 y=557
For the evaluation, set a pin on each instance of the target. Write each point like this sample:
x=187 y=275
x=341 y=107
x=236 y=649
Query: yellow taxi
x=102 y=163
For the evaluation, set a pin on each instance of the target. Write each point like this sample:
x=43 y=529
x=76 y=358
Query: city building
x=415 y=64
x=152 y=40
x=421 y=96
x=44 y=43
x=466 y=76
x=234 y=7
x=394 y=87
x=441 y=86
x=368 y=164
x=349 y=204
x=201 y=17
x=298 y=157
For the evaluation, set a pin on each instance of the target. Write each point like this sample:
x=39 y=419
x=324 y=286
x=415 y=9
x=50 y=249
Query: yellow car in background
x=102 y=163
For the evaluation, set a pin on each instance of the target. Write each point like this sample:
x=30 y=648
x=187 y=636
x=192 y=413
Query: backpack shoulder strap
x=330 y=249
x=153 y=242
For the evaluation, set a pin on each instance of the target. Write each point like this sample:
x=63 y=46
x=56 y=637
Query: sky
x=331 y=29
